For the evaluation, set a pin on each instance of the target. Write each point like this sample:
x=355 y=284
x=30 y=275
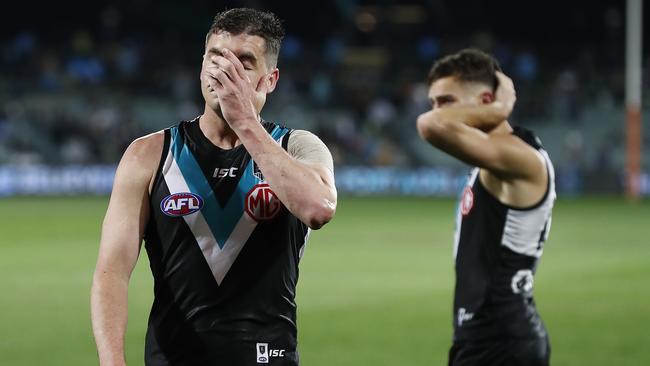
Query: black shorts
x=206 y=349
x=505 y=352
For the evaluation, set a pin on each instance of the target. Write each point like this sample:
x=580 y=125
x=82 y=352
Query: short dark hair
x=469 y=65
x=254 y=22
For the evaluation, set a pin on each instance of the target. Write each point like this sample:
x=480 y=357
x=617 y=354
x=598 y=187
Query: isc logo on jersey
x=225 y=172
x=261 y=203
x=181 y=204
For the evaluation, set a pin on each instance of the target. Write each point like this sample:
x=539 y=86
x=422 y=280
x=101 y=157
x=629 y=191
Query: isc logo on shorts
x=264 y=353
x=261 y=203
x=181 y=204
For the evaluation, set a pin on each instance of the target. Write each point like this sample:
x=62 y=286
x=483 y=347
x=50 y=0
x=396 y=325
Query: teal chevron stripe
x=247 y=181
x=278 y=132
x=198 y=184
x=221 y=221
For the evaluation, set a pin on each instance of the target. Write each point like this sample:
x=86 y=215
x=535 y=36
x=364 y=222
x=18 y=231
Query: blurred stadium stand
x=76 y=93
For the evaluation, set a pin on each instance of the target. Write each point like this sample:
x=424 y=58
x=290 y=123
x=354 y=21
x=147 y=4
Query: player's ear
x=487 y=97
x=273 y=78
x=269 y=81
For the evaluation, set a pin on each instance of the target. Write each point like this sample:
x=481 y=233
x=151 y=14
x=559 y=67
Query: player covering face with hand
x=225 y=204
x=503 y=216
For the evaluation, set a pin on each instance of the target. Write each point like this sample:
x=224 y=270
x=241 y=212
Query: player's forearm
x=298 y=186
x=483 y=117
x=437 y=131
x=454 y=138
x=109 y=317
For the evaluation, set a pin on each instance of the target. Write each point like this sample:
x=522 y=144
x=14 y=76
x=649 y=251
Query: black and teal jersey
x=224 y=255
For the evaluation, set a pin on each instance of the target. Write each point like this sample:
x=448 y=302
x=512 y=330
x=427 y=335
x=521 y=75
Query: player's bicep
x=468 y=144
x=465 y=143
x=127 y=214
x=502 y=154
x=511 y=157
x=308 y=149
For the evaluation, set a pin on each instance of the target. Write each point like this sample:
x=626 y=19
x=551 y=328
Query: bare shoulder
x=147 y=146
x=304 y=138
x=525 y=182
x=141 y=160
x=523 y=161
x=303 y=134
x=308 y=148
x=145 y=151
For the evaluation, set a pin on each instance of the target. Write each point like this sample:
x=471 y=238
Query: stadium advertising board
x=98 y=179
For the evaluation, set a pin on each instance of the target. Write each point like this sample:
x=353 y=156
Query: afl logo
x=181 y=204
x=466 y=201
x=262 y=203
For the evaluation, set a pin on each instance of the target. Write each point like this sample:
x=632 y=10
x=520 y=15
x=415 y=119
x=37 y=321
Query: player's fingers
x=224 y=80
x=236 y=63
x=208 y=71
x=504 y=80
x=226 y=66
x=506 y=89
x=212 y=85
x=205 y=80
x=424 y=117
x=219 y=76
x=215 y=85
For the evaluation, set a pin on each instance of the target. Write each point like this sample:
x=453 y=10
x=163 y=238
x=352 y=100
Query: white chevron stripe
x=219 y=260
x=222 y=261
x=459 y=216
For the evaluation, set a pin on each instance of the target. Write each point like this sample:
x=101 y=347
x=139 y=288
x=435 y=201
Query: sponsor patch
x=522 y=282
x=225 y=172
x=181 y=204
x=264 y=353
x=467 y=201
x=262 y=203
x=464 y=316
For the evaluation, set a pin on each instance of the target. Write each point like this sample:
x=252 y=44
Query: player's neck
x=217 y=130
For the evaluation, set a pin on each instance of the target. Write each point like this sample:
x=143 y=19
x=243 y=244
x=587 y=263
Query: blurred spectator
x=565 y=97
x=83 y=65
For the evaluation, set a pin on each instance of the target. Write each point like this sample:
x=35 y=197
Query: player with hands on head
x=503 y=216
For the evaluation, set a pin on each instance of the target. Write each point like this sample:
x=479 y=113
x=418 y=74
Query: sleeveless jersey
x=496 y=249
x=224 y=255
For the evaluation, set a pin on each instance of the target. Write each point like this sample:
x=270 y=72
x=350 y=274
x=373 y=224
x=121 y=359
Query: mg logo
x=467 y=201
x=262 y=203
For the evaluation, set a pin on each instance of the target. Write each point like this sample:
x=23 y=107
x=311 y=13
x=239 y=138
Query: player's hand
x=505 y=93
x=230 y=88
x=207 y=90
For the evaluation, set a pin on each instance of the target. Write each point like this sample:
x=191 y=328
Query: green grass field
x=375 y=286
